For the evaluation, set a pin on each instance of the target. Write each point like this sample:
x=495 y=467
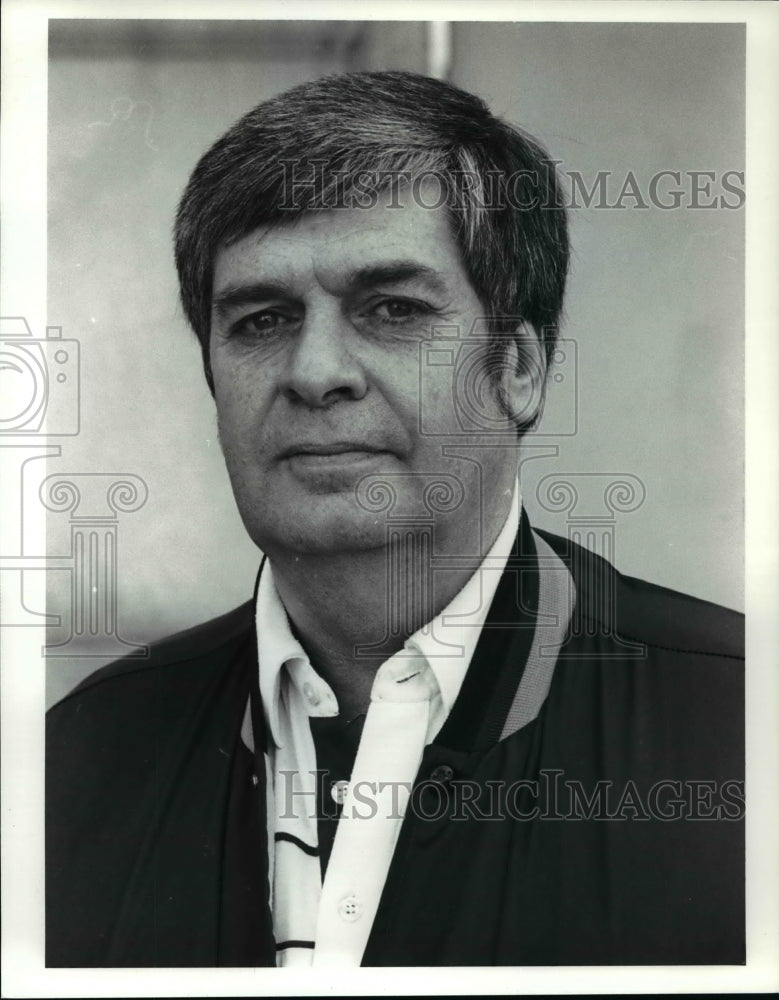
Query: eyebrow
x=242 y=293
x=395 y=271
x=388 y=273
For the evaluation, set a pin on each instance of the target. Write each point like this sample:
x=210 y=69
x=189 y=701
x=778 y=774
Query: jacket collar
x=479 y=713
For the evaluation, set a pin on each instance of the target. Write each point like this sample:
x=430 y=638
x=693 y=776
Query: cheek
x=231 y=414
x=239 y=427
x=402 y=379
x=436 y=412
x=241 y=395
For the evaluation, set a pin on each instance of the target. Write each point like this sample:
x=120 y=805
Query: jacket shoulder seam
x=131 y=669
x=675 y=649
x=598 y=620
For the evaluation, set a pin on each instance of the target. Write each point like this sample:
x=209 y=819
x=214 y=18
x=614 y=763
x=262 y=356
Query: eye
x=397 y=311
x=262 y=324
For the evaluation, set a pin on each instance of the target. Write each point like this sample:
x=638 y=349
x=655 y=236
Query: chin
x=319 y=529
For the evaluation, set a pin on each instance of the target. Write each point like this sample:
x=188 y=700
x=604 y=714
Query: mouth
x=340 y=450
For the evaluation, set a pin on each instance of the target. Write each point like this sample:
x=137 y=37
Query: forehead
x=333 y=244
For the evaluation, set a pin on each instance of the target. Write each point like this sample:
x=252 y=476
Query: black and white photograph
x=387 y=473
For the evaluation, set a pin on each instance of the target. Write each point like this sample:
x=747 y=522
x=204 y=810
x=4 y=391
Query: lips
x=331 y=448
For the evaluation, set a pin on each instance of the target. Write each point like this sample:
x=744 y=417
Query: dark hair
x=340 y=137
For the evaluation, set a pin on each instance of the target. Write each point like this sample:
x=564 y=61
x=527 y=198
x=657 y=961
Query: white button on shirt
x=350 y=909
x=411 y=697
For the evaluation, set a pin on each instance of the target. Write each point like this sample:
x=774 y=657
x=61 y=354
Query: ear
x=524 y=377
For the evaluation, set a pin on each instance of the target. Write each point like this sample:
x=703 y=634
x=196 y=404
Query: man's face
x=318 y=338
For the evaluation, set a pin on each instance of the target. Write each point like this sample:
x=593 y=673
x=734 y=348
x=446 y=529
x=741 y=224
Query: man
x=434 y=736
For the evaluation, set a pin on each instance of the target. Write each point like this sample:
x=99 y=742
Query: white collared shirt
x=412 y=695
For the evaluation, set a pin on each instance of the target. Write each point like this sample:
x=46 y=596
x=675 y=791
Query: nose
x=322 y=368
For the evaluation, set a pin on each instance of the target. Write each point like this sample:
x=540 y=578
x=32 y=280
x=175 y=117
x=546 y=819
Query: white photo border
x=24 y=106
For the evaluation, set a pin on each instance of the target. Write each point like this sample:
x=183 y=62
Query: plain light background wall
x=655 y=302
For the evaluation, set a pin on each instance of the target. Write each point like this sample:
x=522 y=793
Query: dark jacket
x=623 y=842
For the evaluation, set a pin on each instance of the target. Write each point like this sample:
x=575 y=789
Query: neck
x=351 y=611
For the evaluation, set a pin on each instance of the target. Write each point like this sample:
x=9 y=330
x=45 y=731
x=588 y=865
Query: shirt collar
x=276 y=646
x=447 y=642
